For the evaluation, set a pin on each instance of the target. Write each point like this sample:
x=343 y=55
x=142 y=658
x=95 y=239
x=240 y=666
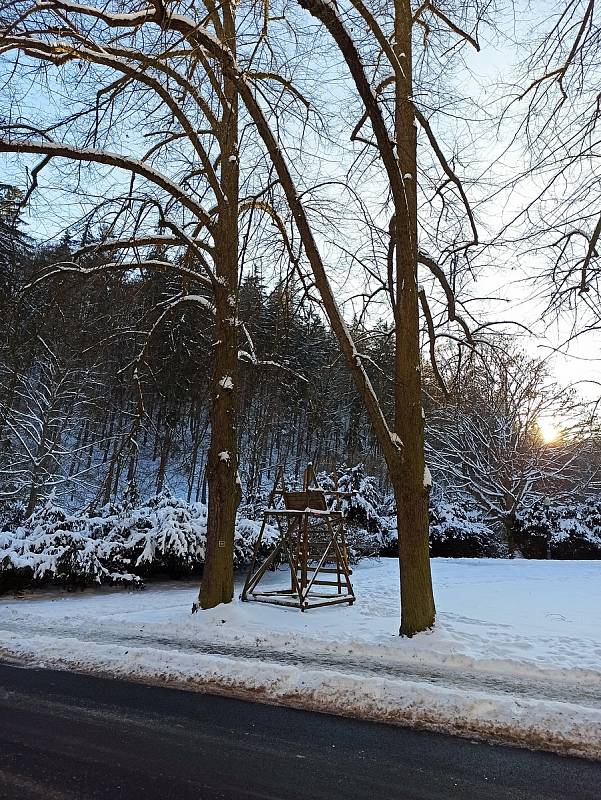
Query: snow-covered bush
x=119 y=544
x=254 y=505
x=247 y=532
x=50 y=546
x=564 y=531
x=366 y=528
x=362 y=508
x=534 y=528
x=167 y=536
x=457 y=532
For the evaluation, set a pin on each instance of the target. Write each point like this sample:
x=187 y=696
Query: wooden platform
x=311 y=543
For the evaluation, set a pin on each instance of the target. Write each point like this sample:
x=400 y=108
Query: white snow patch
x=427 y=477
x=224 y=456
x=226 y=382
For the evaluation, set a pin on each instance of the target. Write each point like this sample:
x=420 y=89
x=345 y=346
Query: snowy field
x=516 y=652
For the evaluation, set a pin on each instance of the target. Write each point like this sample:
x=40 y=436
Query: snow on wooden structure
x=312 y=543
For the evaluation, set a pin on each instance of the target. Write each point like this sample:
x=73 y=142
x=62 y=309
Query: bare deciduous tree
x=487 y=441
x=174 y=176
x=180 y=77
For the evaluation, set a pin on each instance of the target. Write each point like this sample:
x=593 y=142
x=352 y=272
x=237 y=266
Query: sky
x=491 y=73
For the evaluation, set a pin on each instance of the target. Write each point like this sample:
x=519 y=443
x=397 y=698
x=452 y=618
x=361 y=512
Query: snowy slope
x=516 y=652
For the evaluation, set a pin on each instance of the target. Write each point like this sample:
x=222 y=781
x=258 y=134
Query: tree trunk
x=352 y=439
x=222 y=469
x=222 y=464
x=509 y=527
x=417 y=601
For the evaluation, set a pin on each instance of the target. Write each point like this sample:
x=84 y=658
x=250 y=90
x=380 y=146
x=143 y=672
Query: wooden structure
x=311 y=543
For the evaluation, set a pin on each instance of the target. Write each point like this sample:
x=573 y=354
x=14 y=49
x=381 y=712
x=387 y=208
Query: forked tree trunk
x=222 y=465
x=417 y=600
x=406 y=460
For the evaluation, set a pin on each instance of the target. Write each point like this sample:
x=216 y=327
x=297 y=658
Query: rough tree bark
x=222 y=465
x=404 y=449
x=417 y=601
x=417 y=612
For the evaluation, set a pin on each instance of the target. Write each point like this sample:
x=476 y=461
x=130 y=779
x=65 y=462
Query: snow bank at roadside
x=560 y=727
x=513 y=616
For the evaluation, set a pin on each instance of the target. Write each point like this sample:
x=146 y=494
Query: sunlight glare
x=549 y=430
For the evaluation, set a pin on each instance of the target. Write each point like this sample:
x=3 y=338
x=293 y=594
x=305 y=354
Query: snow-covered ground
x=516 y=652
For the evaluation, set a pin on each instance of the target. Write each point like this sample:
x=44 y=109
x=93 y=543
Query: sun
x=549 y=430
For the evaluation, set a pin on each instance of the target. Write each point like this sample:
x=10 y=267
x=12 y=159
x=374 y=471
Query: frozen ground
x=516 y=652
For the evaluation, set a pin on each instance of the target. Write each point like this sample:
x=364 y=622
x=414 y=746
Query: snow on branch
x=111 y=159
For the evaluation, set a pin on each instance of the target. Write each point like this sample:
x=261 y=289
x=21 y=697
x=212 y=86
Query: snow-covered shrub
x=362 y=509
x=118 y=544
x=247 y=532
x=168 y=535
x=50 y=546
x=563 y=531
x=456 y=531
x=366 y=529
x=390 y=539
x=254 y=505
x=165 y=536
x=579 y=533
x=534 y=528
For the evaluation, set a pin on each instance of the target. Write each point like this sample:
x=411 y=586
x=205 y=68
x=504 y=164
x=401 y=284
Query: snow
x=163 y=534
x=224 y=456
x=427 y=478
x=515 y=654
x=226 y=382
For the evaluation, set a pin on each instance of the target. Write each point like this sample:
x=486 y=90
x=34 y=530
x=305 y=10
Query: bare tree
x=167 y=54
x=487 y=442
x=387 y=125
x=557 y=109
x=48 y=402
x=175 y=184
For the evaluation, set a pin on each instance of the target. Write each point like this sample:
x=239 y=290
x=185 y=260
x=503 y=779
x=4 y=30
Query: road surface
x=67 y=736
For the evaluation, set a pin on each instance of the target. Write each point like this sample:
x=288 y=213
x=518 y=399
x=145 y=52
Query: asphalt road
x=64 y=735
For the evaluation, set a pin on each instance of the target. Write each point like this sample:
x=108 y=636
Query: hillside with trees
x=248 y=265
x=105 y=413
